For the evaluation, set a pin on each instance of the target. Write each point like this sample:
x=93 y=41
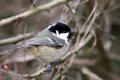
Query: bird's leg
x=47 y=65
x=59 y=62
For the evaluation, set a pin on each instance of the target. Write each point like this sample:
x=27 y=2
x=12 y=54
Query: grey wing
x=46 y=41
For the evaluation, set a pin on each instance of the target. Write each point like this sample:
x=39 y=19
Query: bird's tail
x=13 y=48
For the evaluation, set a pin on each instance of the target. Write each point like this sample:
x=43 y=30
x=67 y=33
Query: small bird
x=50 y=44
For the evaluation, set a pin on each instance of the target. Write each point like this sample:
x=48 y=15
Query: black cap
x=60 y=27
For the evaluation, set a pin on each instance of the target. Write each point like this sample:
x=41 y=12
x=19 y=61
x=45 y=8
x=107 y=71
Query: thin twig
x=92 y=75
x=89 y=17
x=40 y=72
x=33 y=3
x=95 y=40
x=56 y=74
x=92 y=20
x=15 y=39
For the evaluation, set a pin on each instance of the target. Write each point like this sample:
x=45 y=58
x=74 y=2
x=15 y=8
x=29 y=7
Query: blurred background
x=98 y=59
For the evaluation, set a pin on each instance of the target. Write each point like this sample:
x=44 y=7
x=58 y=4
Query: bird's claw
x=49 y=68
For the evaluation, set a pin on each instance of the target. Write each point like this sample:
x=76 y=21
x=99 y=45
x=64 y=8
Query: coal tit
x=50 y=44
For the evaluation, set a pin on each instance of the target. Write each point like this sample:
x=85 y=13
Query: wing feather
x=46 y=41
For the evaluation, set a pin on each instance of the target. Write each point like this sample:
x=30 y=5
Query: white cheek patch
x=63 y=36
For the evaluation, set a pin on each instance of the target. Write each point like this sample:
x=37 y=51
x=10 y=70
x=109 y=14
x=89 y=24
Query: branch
x=37 y=74
x=31 y=12
x=92 y=75
x=15 y=39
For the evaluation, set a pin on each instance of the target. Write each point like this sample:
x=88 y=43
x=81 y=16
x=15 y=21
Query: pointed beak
x=73 y=31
